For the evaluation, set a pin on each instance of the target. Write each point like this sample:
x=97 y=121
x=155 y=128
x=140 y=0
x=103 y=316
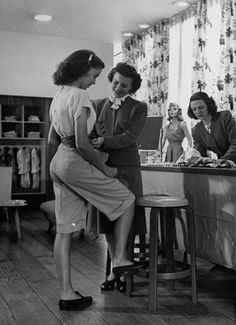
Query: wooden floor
x=29 y=289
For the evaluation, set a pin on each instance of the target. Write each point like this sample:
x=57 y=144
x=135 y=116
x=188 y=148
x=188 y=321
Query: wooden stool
x=171 y=269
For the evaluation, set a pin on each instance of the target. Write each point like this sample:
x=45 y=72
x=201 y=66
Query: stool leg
x=163 y=231
x=192 y=244
x=130 y=252
x=142 y=242
x=153 y=259
x=170 y=227
x=17 y=221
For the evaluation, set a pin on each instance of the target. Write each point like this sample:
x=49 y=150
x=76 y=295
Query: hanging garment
x=2 y=158
x=35 y=167
x=11 y=162
x=23 y=160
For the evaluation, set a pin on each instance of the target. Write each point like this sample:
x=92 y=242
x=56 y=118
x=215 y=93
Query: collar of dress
x=117 y=102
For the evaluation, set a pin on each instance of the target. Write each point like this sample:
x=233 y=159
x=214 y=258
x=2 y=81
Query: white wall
x=27 y=62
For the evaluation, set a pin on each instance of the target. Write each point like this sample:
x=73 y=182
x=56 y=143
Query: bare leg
x=62 y=260
x=111 y=248
x=121 y=232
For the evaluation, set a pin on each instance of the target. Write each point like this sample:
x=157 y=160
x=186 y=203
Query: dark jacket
x=120 y=140
x=120 y=130
x=221 y=140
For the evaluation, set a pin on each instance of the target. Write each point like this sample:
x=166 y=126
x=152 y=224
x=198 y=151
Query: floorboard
x=29 y=290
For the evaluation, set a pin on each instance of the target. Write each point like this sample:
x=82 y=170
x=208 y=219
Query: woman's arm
x=162 y=139
x=129 y=135
x=84 y=146
x=53 y=137
x=198 y=143
x=186 y=133
x=230 y=128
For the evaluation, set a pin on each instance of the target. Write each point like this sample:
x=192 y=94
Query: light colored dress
x=76 y=181
x=175 y=138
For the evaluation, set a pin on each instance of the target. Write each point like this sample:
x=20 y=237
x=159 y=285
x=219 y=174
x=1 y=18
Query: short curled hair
x=76 y=65
x=209 y=101
x=180 y=117
x=127 y=71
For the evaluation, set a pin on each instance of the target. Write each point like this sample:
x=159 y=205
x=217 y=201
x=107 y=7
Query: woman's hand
x=110 y=171
x=212 y=155
x=97 y=142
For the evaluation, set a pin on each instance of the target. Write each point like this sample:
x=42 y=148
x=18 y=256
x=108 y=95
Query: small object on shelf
x=10 y=134
x=33 y=134
x=18 y=202
x=33 y=118
x=10 y=118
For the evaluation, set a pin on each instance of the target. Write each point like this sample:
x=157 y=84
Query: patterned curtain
x=180 y=65
x=149 y=54
x=214 y=52
x=227 y=80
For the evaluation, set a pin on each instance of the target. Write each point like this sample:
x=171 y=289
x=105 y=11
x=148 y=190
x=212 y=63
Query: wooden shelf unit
x=24 y=123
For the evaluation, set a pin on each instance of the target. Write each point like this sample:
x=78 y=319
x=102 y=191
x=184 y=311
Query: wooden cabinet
x=24 y=124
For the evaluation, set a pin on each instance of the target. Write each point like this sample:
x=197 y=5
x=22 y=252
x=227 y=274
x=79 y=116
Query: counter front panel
x=212 y=196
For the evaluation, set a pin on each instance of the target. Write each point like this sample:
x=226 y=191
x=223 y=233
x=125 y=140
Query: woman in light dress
x=175 y=132
x=79 y=175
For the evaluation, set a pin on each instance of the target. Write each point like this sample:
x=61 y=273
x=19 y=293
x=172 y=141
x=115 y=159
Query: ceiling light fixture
x=43 y=17
x=127 y=34
x=181 y=3
x=143 y=25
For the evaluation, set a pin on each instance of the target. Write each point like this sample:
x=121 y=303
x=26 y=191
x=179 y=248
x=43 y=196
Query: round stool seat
x=159 y=201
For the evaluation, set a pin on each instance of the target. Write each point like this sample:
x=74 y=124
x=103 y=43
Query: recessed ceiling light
x=181 y=3
x=127 y=34
x=43 y=17
x=143 y=25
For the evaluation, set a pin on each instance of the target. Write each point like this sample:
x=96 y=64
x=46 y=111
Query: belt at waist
x=174 y=142
x=69 y=141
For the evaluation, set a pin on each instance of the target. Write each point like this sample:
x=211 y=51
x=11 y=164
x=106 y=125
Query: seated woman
x=215 y=135
x=175 y=132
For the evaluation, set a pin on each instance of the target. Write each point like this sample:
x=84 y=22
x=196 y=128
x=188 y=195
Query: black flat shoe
x=86 y=298
x=75 y=304
x=108 y=285
x=119 y=270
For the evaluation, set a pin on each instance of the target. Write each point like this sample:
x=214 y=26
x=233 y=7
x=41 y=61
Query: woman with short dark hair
x=215 y=135
x=120 y=120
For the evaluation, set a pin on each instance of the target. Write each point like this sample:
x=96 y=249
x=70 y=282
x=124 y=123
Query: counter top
x=191 y=170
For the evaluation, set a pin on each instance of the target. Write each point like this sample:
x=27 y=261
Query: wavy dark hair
x=127 y=71
x=209 y=101
x=76 y=65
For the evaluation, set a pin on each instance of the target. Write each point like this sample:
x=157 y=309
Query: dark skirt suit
x=221 y=140
x=120 y=129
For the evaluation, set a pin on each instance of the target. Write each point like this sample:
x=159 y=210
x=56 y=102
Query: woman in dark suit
x=215 y=135
x=120 y=120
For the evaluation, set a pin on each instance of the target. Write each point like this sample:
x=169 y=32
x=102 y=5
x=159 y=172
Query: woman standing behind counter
x=215 y=135
x=175 y=132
